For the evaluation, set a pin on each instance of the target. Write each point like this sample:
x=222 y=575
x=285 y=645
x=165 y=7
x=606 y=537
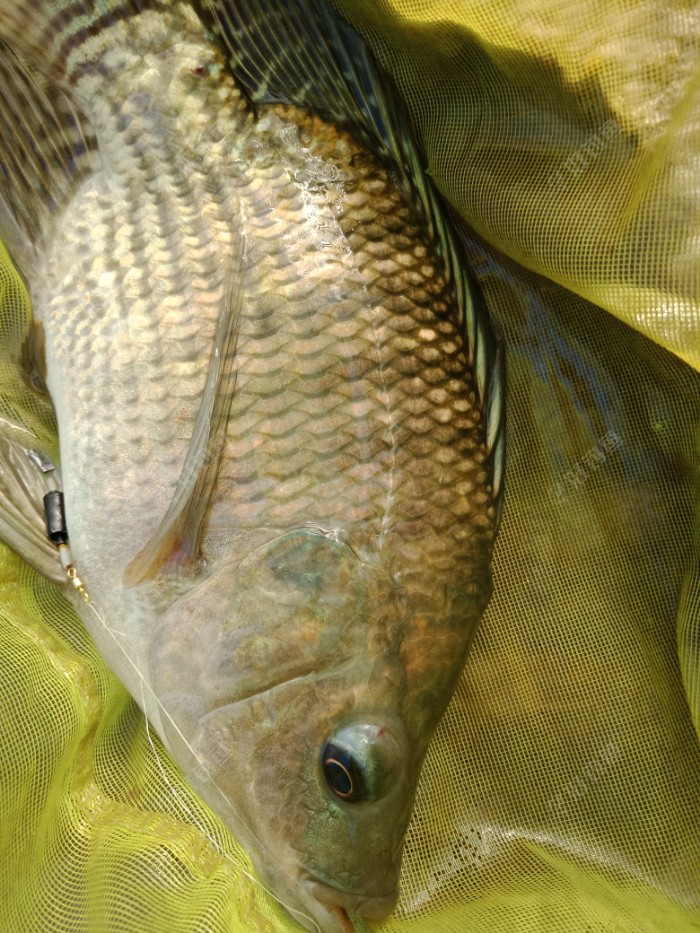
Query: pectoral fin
x=177 y=540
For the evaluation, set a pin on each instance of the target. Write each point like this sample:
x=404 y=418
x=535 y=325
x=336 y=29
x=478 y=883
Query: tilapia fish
x=279 y=406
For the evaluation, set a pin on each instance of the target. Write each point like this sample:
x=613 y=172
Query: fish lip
x=317 y=916
x=370 y=906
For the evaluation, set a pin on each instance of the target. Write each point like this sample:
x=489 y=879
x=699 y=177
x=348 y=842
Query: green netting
x=561 y=791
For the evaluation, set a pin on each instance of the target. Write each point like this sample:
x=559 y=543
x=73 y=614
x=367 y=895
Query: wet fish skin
x=328 y=573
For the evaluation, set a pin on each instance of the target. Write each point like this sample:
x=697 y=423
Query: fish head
x=306 y=682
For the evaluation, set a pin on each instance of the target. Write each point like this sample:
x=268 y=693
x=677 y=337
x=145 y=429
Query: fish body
x=280 y=444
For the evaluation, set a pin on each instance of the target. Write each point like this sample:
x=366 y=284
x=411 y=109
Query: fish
x=279 y=401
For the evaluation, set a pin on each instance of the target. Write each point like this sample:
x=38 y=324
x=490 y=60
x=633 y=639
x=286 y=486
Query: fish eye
x=343 y=774
x=362 y=761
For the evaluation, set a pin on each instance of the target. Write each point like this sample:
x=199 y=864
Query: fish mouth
x=331 y=905
x=321 y=919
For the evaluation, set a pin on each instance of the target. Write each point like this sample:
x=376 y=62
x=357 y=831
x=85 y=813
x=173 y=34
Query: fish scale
x=279 y=411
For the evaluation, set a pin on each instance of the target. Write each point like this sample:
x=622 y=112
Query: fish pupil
x=342 y=774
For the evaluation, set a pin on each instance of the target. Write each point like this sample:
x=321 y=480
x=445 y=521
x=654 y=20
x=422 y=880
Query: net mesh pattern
x=568 y=135
x=561 y=791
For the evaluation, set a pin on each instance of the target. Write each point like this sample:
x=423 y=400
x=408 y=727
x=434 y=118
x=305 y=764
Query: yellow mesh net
x=567 y=134
x=561 y=791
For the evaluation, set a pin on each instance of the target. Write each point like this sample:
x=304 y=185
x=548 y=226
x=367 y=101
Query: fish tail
x=46 y=142
x=299 y=51
x=62 y=37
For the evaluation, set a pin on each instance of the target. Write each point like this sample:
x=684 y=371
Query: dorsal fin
x=302 y=52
